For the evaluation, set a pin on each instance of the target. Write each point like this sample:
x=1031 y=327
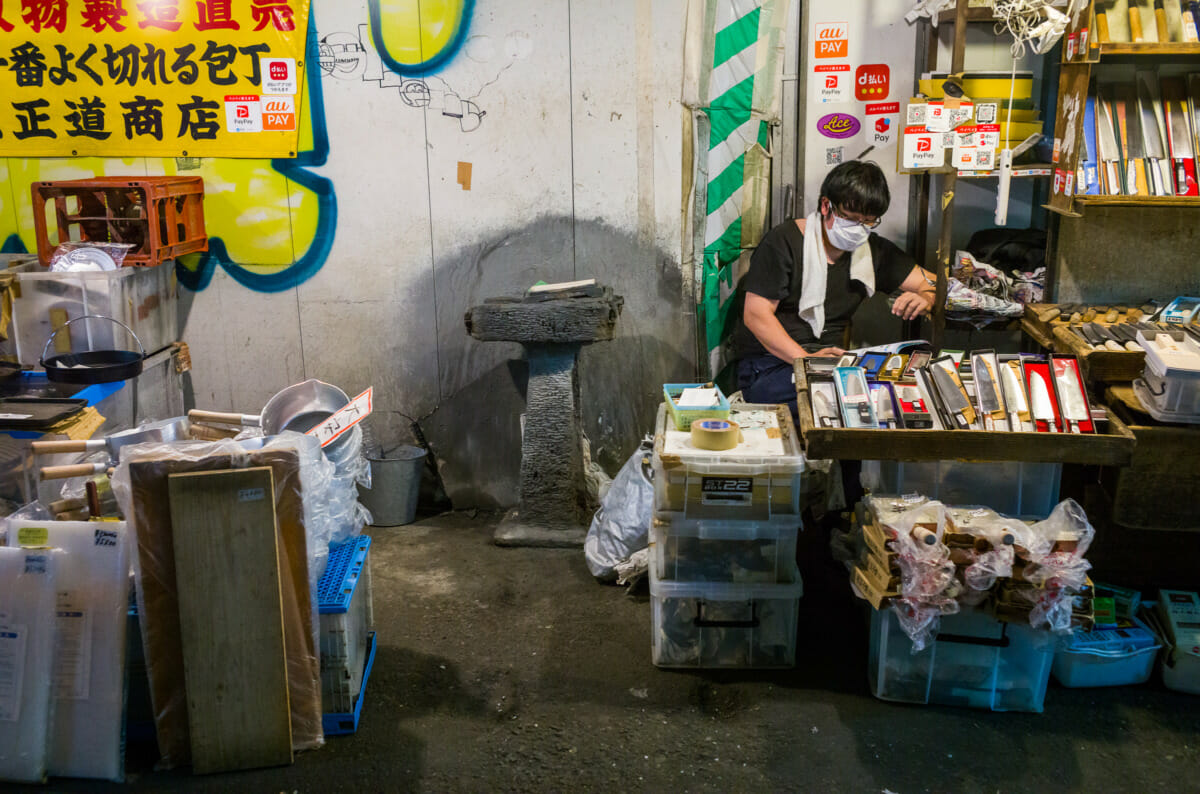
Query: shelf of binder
x=1122 y=141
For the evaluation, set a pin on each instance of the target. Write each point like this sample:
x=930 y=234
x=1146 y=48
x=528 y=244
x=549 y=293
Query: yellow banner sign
x=151 y=78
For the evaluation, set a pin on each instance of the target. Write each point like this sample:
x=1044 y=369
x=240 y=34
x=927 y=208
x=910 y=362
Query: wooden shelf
x=1173 y=48
x=1019 y=172
x=1138 y=201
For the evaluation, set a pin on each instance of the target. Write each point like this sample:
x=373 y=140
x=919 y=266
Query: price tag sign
x=347 y=417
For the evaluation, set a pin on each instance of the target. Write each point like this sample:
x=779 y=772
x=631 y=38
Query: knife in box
x=1135 y=164
x=1175 y=103
x=987 y=391
x=1152 y=133
x=1039 y=398
x=953 y=397
x=1070 y=399
x=1106 y=142
x=1014 y=395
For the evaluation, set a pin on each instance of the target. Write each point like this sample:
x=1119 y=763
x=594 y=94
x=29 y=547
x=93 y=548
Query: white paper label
x=921 y=149
x=15 y=416
x=12 y=670
x=72 y=648
x=279 y=76
x=697 y=398
x=937 y=119
x=243 y=113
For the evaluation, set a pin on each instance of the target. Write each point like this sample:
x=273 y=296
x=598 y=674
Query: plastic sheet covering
x=621 y=525
x=927 y=583
x=302 y=526
x=92 y=582
x=1058 y=565
x=27 y=609
x=996 y=559
x=35 y=511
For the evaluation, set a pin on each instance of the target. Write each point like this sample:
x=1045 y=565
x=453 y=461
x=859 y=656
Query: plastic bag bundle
x=927 y=583
x=621 y=525
x=1057 y=565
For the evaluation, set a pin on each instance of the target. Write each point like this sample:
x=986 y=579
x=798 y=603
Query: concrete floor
x=505 y=669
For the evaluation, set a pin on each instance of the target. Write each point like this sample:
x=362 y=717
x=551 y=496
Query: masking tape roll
x=715 y=434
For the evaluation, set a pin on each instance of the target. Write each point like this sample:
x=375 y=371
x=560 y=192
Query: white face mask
x=847 y=235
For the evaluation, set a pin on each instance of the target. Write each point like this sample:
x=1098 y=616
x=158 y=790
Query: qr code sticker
x=834 y=156
x=986 y=114
x=916 y=114
x=985 y=158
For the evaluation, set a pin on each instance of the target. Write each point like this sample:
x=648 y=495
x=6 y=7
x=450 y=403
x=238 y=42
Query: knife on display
x=986 y=392
x=1135 y=163
x=894 y=366
x=953 y=398
x=1071 y=402
x=1175 y=103
x=883 y=408
x=856 y=402
x=1106 y=142
x=1039 y=396
x=1108 y=341
x=1014 y=395
x=826 y=414
x=1152 y=133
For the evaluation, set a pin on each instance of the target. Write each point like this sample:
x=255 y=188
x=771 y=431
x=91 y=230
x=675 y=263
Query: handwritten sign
x=346 y=417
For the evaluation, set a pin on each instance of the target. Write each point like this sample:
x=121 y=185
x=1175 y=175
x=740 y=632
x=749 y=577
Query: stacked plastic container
x=724 y=584
x=347 y=634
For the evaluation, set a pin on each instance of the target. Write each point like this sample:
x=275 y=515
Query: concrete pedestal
x=551 y=509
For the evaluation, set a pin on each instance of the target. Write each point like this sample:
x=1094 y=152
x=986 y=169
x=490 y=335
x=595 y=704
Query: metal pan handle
x=67 y=324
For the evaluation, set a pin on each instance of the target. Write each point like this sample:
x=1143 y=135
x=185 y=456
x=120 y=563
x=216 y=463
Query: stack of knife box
x=1140 y=137
x=724 y=583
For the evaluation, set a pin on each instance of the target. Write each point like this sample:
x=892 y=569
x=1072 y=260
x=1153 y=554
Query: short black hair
x=857 y=186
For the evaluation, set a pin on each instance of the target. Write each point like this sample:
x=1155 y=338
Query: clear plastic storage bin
x=759 y=479
x=976 y=661
x=723 y=624
x=1107 y=657
x=144 y=298
x=1013 y=488
x=762 y=552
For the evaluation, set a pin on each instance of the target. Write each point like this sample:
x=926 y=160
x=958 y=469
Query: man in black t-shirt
x=788 y=313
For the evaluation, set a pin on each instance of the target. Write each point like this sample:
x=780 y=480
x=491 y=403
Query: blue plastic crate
x=336 y=588
x=344 y=724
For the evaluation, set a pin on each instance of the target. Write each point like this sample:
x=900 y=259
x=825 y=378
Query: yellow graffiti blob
x=416 y=32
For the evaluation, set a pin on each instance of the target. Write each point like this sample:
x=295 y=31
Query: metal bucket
x=395 y=485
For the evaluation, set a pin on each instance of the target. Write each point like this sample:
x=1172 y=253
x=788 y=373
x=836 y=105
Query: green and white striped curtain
x=732 y=77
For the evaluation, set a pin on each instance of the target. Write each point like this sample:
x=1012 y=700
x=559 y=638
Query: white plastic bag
x=622 y=524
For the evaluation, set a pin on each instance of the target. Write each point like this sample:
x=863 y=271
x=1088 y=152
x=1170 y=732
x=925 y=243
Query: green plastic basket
x=683 y=417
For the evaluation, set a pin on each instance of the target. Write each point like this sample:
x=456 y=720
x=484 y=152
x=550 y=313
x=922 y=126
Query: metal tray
x=37 y=413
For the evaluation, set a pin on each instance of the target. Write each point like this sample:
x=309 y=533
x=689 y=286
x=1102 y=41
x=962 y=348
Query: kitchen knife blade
x=1039 y=397
x=1152 y=132
x=1014 y=395
x=986 y=392
x=894 y=364
x=883 y=408
x=1071 y=402
x=1106 y=140
x=1135 y=163
x=856 y=399
x=1109 y=341
x=1088 y=335
x=826 y=416
x=953 y=398
x=1175 y=101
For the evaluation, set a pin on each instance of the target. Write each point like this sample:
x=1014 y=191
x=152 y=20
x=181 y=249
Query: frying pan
x=93 y=366
x=299 y=408
x=164 y=431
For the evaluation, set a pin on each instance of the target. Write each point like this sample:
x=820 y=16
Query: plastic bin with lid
x=758 y=479
x=1170 y=384
x=713 y=550
x=976 y=661
x=724 y=624
x=1014 y=488
x=1107 y=657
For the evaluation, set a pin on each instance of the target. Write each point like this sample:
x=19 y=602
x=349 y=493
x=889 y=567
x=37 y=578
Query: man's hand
x=828 y=352
x=910 y=305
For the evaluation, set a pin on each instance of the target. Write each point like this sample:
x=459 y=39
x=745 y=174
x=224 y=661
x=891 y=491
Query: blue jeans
x=768 y=380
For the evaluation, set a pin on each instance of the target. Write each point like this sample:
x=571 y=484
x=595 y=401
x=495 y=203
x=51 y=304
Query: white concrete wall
x=575 y=172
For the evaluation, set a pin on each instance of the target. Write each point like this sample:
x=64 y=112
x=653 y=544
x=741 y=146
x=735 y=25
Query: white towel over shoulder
x=816 y=272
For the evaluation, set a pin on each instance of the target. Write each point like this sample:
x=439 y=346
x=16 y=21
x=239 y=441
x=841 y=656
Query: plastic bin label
x=251 y=495
x=12 y=670
x=33 y=537
x=726 y=490
x=72 y=647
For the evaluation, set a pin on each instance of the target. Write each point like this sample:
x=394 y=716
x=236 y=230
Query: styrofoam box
x=347 y=619
x=1013 y=488
x=724 y=624
x=144 y=298
x=758 y=479
x=761 y=552
x=976 y=661
x=1107 y=657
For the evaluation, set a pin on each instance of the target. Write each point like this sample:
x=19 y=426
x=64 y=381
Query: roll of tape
x=715 y=434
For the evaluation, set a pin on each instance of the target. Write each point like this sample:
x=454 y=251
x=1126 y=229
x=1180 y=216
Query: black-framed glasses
x=869 y=224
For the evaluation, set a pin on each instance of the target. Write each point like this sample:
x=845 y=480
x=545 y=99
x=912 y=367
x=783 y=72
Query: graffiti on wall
x=272 y=222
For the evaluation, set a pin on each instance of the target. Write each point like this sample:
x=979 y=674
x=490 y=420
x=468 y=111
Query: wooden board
x=159 y=604
x=230 y=617
x=1112 y=448
x=1157 y=491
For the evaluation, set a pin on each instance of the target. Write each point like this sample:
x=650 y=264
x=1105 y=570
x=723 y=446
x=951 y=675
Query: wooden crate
x=1099 y=366
x=1111 y=448
x=1157 y=490
x=161 y=216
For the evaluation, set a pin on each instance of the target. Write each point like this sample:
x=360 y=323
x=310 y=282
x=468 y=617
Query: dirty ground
x=504 y=669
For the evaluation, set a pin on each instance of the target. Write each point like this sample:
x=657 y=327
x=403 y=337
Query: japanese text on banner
x=166 y=78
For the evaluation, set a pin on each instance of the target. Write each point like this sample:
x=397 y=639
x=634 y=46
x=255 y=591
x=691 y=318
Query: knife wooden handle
x=1135 y=23
x=56 y=447
x=1160 y=22
x=1102 y=35
x=77 y=470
